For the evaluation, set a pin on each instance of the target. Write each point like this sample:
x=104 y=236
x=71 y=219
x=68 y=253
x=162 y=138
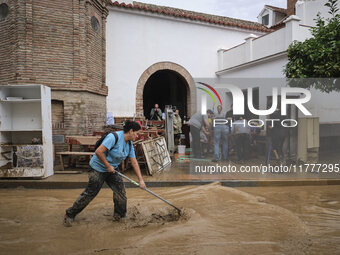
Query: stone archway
x=191 y=95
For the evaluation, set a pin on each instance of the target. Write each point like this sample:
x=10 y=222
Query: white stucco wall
x=308 y=9
x=269 y=60
x=265 y=69
x=265 y=46
x=269 y=44
x=323 y=105
x=135 y=42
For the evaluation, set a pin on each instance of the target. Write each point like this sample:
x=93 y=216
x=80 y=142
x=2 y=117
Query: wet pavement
x=317 y=207
x=216 y=220
x=267 y=214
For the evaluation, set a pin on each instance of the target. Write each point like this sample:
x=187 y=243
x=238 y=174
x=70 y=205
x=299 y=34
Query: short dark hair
x=210 y=111
x=128 y=125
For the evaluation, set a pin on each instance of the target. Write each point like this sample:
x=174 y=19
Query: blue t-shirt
x=116 y=155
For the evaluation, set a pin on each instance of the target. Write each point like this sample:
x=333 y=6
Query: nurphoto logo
x=302 y=96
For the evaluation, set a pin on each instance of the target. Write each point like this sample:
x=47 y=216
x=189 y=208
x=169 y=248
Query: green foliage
x=319 y=56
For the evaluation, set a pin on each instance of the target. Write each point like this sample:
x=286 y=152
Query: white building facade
x=144 y=39
x=266 y=57
x=154 y=53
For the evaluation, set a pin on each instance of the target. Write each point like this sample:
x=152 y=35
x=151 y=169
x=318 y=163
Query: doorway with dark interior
x=165 y=87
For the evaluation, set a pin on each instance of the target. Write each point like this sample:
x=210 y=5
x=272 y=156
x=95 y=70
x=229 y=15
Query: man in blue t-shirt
x=104 y=163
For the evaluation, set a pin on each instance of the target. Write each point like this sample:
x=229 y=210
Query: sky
x=240 y=9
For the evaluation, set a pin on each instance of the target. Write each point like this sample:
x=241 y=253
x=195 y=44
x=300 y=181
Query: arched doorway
x=166 y=83
x=165 y=87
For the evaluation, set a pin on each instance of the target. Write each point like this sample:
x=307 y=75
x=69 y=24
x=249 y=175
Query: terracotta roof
x=179 y=13
x=278 y=25
x=277 y=9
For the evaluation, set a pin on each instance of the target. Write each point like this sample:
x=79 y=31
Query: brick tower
x=60 y=44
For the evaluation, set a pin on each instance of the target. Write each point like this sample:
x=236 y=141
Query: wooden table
x=88 y=141
x=81 y=140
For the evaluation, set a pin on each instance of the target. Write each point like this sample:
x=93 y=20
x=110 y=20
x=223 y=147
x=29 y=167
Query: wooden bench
x=72 y=153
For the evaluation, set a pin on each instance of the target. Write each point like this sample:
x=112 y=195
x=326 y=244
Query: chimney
x=291 y=7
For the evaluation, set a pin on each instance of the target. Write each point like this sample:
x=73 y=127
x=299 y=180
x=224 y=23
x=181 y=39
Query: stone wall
x=8 y=28
x=53 y=43
x=84 y=113
x=60 y=44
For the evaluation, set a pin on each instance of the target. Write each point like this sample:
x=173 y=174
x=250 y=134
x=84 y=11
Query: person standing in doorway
x=177 y=125
x=156 y=113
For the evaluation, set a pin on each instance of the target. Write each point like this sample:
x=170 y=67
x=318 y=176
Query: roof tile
x=208 y=18
x=278 y=9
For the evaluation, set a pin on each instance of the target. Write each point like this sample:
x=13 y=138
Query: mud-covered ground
x=215 y=220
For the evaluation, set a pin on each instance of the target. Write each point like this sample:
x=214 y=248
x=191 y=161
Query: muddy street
x=216 y=220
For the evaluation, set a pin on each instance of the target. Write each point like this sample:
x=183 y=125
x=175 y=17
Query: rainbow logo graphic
x=209 y=93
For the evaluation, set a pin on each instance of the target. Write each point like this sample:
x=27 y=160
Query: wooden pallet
x=156 y=154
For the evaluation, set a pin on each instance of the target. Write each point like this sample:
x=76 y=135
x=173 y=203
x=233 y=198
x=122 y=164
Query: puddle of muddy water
x=215 y=220
x=317 y=207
